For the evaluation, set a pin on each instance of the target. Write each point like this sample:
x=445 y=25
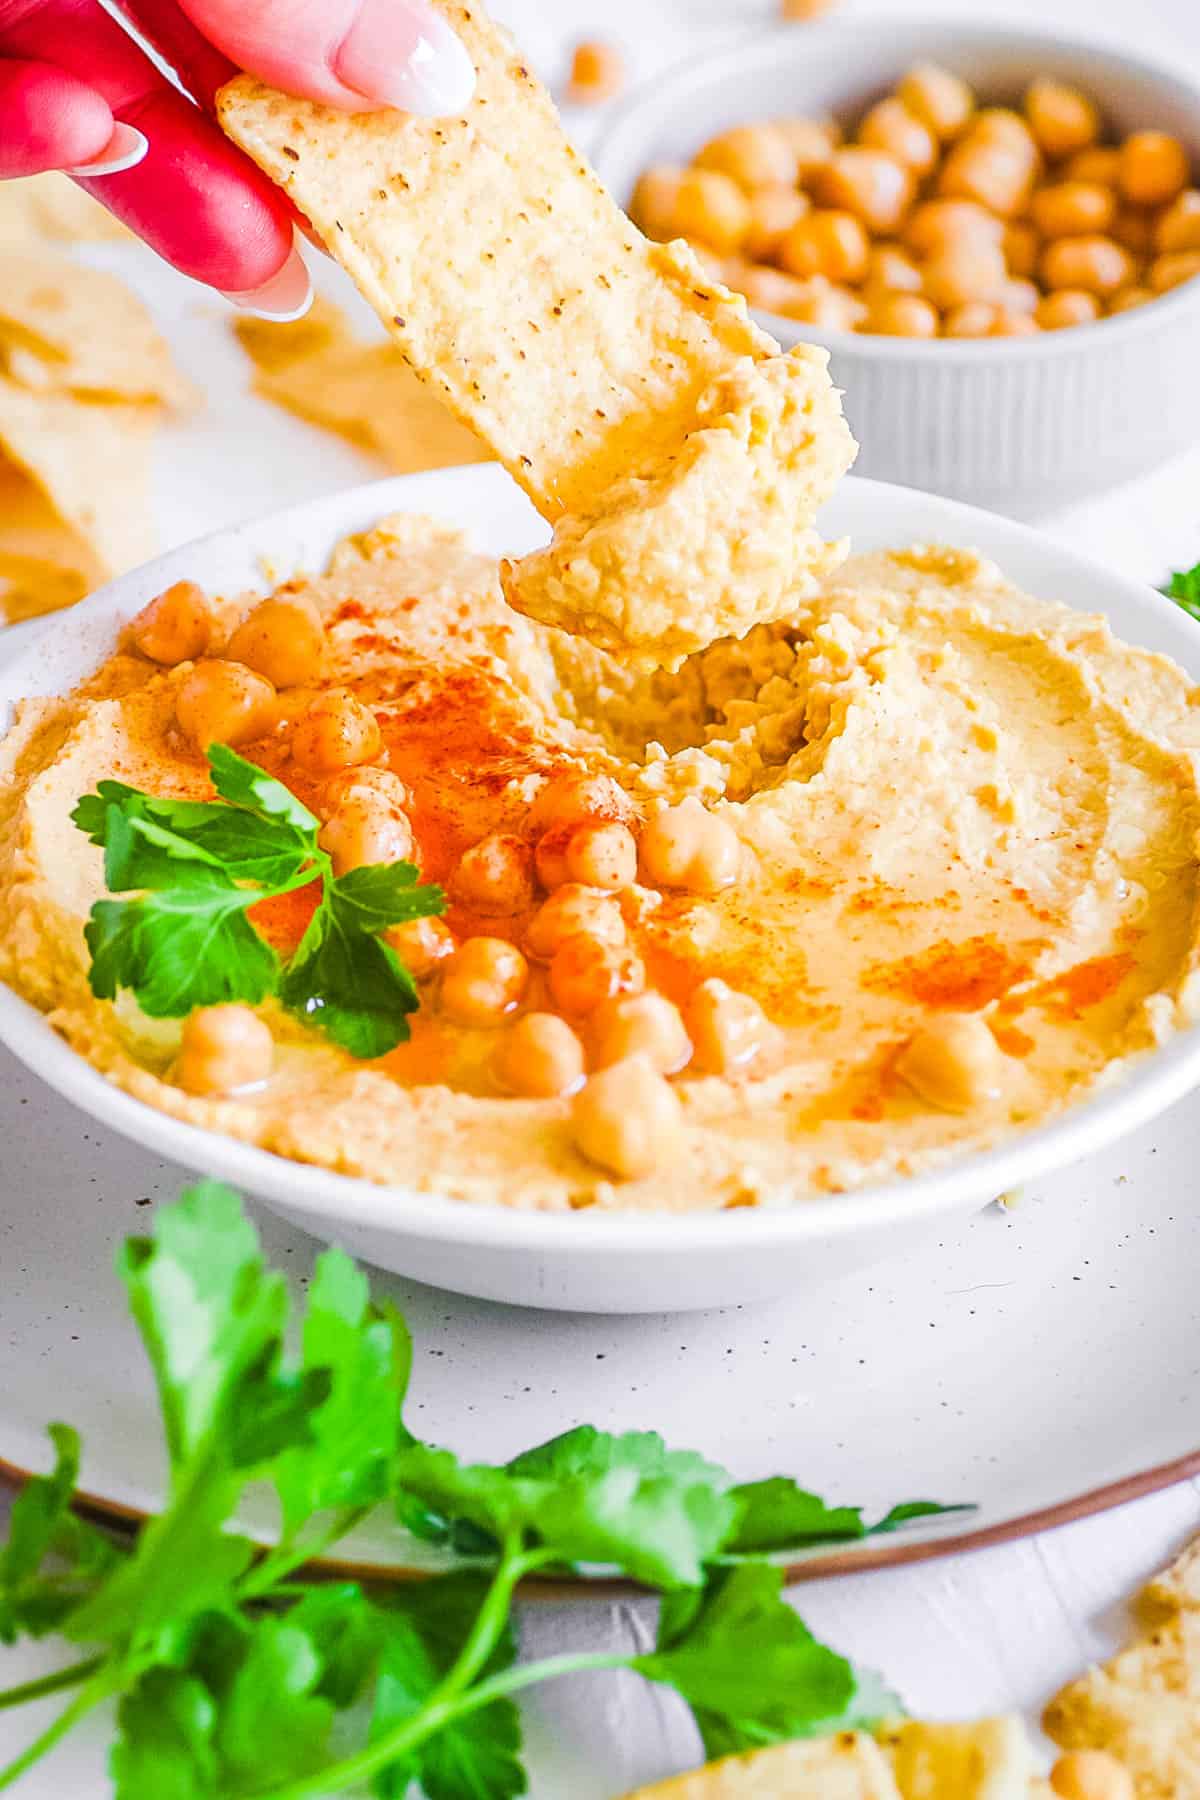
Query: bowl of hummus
x=721 y=980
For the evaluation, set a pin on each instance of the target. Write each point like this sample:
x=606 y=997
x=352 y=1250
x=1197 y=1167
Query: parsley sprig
x=235 y=1678
x=199 y=866
x=1183 y=586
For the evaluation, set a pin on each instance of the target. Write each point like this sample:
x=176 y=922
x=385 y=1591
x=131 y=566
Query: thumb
x=353 y=54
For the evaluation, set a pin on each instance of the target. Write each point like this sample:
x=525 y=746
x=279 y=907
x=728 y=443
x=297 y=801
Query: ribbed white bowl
x=1022 y=425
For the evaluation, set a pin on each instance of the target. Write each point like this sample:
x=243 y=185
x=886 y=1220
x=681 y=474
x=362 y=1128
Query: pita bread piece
x=51 y=209
x=44 y=564
x=364 y=392
x=1143 y=1707
x=678 y=455
x=90 y=466
x=849 y=1766
x=64 y=325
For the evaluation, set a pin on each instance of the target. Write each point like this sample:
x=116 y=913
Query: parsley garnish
x=235 y=1678
x=198 y=867
x=1184 y=588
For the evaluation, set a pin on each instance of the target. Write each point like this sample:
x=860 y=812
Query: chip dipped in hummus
x=463 y=902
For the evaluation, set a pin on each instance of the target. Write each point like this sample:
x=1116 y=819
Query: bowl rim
x=763 y=47
x=306 y=1191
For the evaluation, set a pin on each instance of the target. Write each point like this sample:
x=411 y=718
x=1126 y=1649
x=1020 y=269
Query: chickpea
x=871 y=185
x=1168 y=272
x=811 y=141
x=902 y=315
x=1073 y=208
x=1095 y=264
x=1091 y=1775
x=994 y=175
x=602 y=855
x=223 y=1049
x=687 y=847
x=585 y=971
x=336 y=732
x=1008 y=323
x=773 y=291
x=1004 y=125
x=222 y=703
x=655 y=204
x=483 y=981
x=967 y=271
x=833 y=244
x=938 y=225
x=570 y=911
x=572 y=796
x=421 y=945
x=973 y=319
x=648 y=1024
x=1178 y=228
x=1021 y=247
x=597 y=73
x=712 y=208
x=628 y=1119
x=803 y=10
x=1018 y=296
x=954 y=1063
x=773 y=212
x=1102 y=163
x=728 y=1029
x=752 y=155
x=177 y=626
x=942 y=101
x=496 y=874
x=366 y=829
x=1063 y=120
x=890 y=270
x=892 y=128
x=1154 y=168
x=540 y=1058
x=1134 y=227
x=363 y=779
x=831 y=307
x=1126 y=298
x=283 y=640
x=1069 y=306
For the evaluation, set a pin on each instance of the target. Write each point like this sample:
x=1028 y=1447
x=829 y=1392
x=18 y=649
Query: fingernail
x=287 y=296
x=124 y=150
x=402 y=53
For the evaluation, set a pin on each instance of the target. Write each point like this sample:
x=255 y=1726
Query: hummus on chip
x=881 y=883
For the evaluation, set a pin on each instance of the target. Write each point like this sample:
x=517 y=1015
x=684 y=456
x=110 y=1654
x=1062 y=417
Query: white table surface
x=993 y=1630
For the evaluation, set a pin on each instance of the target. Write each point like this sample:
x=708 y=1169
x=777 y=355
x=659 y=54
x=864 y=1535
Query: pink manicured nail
x=402 y=53
x=287 y=296
x=124 y=150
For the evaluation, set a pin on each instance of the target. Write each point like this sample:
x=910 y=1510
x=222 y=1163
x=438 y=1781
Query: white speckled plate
x=1041 y=1362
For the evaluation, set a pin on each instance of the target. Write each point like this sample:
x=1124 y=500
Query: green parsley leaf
x=1184 y=588
x=747 y=1665
x=164 y=1741
x=348 y=982
x=777 y=1514
x=355 y=1432
x=348 y=1634
x=53 y=1561
x=477 y=1757
x=272 y=1698
x=190 y=947
x=199 y=866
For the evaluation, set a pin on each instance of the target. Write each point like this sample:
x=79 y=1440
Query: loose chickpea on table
x=934 y=215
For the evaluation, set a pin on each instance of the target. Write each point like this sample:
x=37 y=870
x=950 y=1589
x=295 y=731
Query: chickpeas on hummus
x=871 y=887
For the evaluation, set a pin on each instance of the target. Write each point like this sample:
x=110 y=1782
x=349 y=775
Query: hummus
x=954 y=803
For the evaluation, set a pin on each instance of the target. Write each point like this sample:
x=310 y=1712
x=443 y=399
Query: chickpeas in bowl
x=934 y=214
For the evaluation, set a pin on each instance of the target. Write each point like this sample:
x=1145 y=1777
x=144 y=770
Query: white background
x=967 y=1635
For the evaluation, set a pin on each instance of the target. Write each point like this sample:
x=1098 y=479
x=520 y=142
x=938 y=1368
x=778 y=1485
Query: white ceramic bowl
x=1024 y=425
x=597 y=1262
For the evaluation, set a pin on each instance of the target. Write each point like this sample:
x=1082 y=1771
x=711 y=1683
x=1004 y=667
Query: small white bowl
x=606 y=1262
x=1022 y=425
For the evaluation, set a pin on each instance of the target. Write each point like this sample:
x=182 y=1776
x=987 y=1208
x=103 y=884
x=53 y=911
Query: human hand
x=78 y=94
